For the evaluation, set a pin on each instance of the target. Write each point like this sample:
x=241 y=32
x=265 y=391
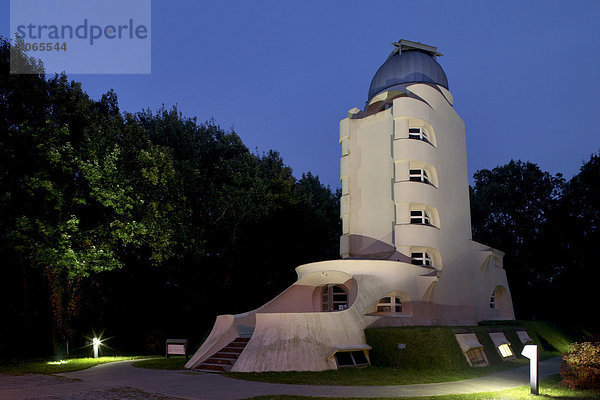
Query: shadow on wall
x=367 y=247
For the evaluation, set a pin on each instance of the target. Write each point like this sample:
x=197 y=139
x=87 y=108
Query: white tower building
x=405 y=192
x=408 y=257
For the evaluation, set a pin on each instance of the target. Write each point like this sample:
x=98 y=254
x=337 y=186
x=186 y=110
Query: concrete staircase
x=223 y=360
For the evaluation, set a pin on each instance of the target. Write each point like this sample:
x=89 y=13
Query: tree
x=78 y=193
x=137 y=222
x=511 y=206
x=577 y=228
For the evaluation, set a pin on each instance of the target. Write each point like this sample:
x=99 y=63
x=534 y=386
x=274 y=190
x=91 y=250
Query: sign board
x=177 y=347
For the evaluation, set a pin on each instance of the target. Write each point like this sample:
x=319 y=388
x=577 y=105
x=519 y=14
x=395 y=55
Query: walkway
x=122 y=381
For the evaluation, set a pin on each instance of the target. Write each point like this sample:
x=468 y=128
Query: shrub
x=580 y=368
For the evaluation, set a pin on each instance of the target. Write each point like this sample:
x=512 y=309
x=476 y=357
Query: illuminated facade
x=408 y=257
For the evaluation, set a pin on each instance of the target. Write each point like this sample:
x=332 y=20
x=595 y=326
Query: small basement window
x=351 y=359
x=472 y=349
x=418 y=134
x=419 y=217
x=476 y=357
x=390 y=304
x=418 y=175
x=421 y=258
x=524 y=337
x=505 y=350
x=502 y=345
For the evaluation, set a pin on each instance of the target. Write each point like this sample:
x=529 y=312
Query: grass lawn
x=53 y=367
x=373 y=376
x=172 y=363
x=550 y=388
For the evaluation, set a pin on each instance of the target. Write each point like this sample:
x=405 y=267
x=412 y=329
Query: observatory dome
x=410 y=66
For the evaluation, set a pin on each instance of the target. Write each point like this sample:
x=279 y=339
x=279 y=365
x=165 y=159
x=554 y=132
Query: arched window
x=335 y=298
x=390 y=304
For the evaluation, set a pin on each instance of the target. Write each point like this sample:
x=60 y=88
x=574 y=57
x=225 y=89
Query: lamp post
x=531 y=351
x=96 y=344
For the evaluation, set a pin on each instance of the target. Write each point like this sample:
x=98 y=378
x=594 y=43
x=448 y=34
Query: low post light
x=96 y=344
x=531 y=351
x=401 y=346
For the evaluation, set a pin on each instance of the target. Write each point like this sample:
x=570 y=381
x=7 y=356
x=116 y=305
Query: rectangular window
x=418 y=175
x=344 y=359
x=505 y=350
x=418 y=134
x=420 y=258
x=419 y=217
x=493 y=300
x=351 y=359
x=476 y=356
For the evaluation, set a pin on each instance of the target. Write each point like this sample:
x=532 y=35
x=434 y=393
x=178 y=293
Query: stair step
x=212 y=368
x=236 y=350
x=231 y=356
x=220 y=361
x=223 y=360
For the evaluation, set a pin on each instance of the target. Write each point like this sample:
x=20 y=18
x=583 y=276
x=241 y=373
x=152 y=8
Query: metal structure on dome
x=409 y=62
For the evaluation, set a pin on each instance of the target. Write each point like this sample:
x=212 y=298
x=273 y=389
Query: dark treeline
x=548 y=228
x=148 y=225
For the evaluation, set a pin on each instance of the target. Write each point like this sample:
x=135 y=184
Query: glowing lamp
x=96 y=344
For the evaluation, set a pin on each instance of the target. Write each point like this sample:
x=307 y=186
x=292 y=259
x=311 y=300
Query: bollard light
x=531 y=351
x=401 y=346
x=96 y=344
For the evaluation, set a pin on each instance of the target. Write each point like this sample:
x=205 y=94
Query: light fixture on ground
x=401 y=346
x=96 y=345
x=531 y=351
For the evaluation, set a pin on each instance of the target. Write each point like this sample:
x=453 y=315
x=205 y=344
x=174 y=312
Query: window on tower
x=493 y=300
x=419 y=175
x=419 y=217
x=418 y=134
x=421 y=258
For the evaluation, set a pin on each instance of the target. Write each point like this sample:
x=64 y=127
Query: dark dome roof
x=407 y=67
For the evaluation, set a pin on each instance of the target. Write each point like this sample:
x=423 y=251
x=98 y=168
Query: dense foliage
x=580 y=368
x=548 y=228
x=148 y=224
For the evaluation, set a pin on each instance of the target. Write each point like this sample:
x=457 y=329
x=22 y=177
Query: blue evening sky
x=525 y=75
